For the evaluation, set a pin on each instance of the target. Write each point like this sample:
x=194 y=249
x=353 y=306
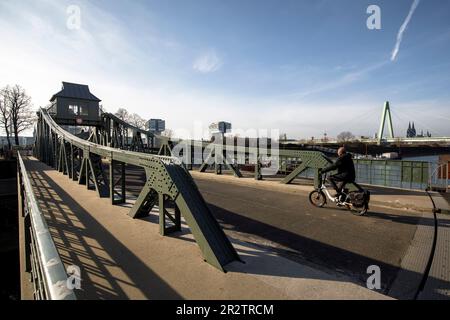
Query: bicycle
x=356 y=201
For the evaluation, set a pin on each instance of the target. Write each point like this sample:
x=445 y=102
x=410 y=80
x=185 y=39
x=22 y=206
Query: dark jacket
x=345 y=168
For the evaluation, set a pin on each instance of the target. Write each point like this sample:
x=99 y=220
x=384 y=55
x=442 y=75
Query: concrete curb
x=415 y=261
x=441 y=203
x=437 y=286
x=401 y=206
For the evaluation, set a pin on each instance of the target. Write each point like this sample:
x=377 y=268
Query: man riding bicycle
x=345 y=171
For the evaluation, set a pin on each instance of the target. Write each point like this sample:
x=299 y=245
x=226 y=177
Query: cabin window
x=84 y=110
x=79 y=110
x=73 y=109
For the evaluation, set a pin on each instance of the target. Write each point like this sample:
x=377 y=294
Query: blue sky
x=303 y=67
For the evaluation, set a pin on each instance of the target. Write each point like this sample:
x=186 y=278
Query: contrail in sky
x=403 y=29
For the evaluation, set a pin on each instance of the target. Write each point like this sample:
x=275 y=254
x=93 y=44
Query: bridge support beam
x=169 y=185
x=165 y=148
x=145 y=203
x=302 y=167
x=113 y=182
x=115 y=133
x=174 y=188
x=258 y=174
x=93 y=175
x=310 y=160
x=164 y=214
x=219 y=161
x=148 y=199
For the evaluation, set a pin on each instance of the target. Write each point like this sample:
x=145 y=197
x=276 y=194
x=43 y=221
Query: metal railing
x=402 y=174
x=439 y=177
x=167 y=183
x=412 y=175
x=42 y=260
x=408 y=175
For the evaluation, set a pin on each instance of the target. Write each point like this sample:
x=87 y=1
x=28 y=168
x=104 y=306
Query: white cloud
x=38 y=52
x=403 y=29
x=341 y=81
x=208 y=62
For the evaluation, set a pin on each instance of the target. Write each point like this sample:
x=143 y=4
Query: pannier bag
x=359 y=198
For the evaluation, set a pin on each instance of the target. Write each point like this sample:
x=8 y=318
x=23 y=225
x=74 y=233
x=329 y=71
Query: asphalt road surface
x=330 y=239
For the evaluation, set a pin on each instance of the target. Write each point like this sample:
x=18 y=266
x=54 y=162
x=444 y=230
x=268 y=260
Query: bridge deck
x=291 y=250
x=279 y=217
x=329 y=237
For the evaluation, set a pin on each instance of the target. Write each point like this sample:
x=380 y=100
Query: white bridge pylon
x=386 y=114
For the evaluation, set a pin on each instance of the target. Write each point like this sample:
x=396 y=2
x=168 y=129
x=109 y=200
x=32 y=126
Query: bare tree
x=5 y=117
x=122 y=114
x=137 y=121
x=168 y=133
x=345 y=136
x=18 y=103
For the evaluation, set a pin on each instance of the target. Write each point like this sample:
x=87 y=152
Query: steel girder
x=220 y=158
x=117 y=185
x=117 y=133
x=166 y=147
x=168 y=185
x=309 y=160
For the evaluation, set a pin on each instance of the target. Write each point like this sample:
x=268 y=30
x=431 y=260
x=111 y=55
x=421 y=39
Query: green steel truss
x=119 y=134
x=220 y=157
x=168 y=186
x=308 y=160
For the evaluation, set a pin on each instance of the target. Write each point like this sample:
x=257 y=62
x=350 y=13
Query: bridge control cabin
x=75 y=105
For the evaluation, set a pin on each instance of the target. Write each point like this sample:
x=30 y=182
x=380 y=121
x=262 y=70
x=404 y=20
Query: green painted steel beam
x=310 y=160
x=220 y=160
x=165 y=175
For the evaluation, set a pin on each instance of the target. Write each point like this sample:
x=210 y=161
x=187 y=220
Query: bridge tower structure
x=386 y=115
x=75 y=105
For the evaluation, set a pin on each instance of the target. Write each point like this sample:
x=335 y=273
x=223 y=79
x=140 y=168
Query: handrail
x=167 y=182
x=435 y=175
x=134 y=158
x=130 y=126
x=47 y=265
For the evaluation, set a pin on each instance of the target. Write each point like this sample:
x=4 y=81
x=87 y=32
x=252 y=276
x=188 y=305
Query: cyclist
x=345 y=171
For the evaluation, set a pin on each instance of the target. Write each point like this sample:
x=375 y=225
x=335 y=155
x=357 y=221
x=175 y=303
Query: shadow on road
x=314 y=253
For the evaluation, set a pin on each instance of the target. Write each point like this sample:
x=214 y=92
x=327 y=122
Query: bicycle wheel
x=317 y=198
x=359 y=211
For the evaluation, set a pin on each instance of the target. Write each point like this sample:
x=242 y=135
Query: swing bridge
x=102 y=163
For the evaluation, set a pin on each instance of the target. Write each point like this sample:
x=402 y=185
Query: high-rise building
x=220 y=127
x=156 y=125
